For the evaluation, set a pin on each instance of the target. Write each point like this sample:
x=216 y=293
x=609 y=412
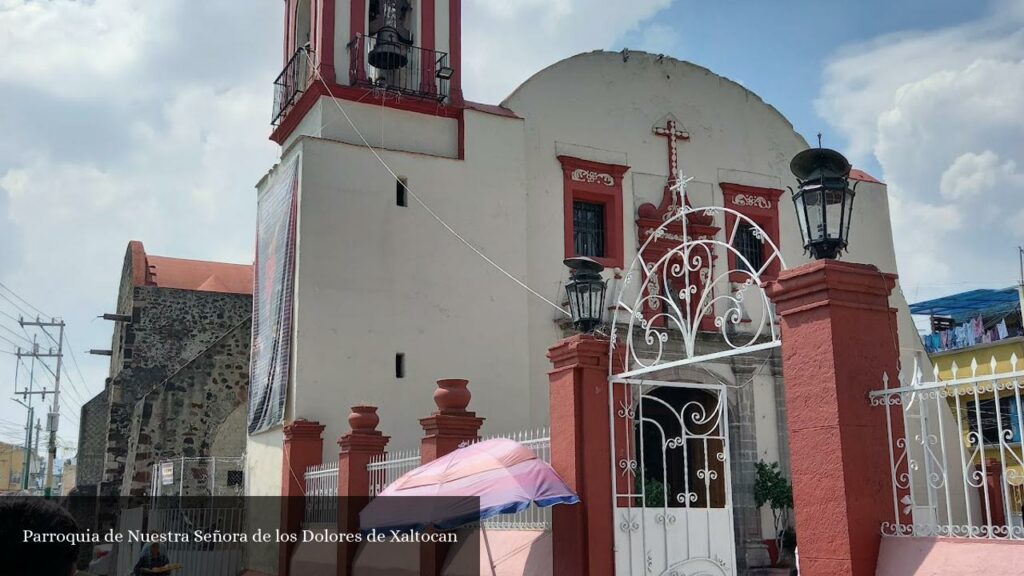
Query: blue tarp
x=960 y=306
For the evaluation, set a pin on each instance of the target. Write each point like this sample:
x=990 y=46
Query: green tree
x=771 y=488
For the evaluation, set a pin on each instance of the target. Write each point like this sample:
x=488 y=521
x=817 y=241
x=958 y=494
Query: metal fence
x=213 y=558
x=955 y=452
x=321 y=494
x=400 y=68
x=387 y=468
x=322 y=483
x=214 y=476
x=291 y=84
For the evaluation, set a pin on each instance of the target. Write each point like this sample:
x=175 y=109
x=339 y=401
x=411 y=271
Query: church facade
x=402 y=222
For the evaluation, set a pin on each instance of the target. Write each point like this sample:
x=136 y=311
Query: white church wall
x=376 y=279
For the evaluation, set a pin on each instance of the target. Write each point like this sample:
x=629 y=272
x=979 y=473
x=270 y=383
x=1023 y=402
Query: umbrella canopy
x=498 y=476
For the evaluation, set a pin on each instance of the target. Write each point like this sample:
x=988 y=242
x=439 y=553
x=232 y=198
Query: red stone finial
x=452 y=396
x=363 y=419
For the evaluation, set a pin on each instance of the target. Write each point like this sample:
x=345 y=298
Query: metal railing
x=955 y=452
x=210 y=476
x=291 y=83
x=387 y=468
x=399 y=68
x=198 y=558
x=322 y=493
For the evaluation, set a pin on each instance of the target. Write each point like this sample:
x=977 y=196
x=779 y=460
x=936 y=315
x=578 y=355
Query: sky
x=149 y=120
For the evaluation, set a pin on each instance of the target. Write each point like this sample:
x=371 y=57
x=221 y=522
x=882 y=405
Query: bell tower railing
x=291 y=83
x=399 y=68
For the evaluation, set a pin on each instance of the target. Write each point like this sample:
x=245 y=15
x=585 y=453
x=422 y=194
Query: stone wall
x=169 y=328
x=183 y=415
x=92 y=440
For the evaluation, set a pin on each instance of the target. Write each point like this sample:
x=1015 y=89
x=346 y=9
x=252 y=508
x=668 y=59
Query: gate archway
x=679 y=304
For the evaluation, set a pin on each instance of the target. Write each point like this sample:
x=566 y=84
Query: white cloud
x=127 y=120
x=504 y=43
x=943 y=114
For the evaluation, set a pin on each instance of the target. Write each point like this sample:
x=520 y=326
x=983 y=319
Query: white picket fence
x=322 y=483
x=322 y=493
x=387 y=468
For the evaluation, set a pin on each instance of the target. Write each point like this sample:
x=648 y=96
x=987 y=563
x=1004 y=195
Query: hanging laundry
x=1001 y=329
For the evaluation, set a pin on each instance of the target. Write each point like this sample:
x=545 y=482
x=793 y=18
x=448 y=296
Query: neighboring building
x=363 y=297
x=976 y=337
x=68 y=477
x=179 y=371
x=12 y=466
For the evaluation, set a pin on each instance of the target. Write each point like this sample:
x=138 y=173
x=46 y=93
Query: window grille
x=588 y=228
x=750 y=246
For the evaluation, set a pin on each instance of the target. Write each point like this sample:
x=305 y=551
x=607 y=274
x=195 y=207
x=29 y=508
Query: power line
x=29 y=304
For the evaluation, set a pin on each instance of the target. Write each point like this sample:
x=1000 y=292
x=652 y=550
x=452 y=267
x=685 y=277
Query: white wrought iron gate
x=672 y=501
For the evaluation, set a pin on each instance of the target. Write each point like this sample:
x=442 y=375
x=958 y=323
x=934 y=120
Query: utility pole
x=39 y=431
x=53 y=418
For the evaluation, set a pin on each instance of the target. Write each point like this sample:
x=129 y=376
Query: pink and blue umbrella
x=472 y=484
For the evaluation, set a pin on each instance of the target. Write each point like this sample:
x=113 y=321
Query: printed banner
x=273 y=299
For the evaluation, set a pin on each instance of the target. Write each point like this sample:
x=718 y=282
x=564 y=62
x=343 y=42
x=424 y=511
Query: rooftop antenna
x=819 y=139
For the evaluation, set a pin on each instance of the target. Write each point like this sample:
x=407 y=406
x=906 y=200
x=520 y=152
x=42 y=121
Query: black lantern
x=585 y=290
x=824 y=201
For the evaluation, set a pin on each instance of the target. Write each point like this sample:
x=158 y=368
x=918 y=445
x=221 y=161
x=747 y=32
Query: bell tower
x=399 y=53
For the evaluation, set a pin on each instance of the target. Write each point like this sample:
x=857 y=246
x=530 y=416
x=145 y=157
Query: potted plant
x=772 y=489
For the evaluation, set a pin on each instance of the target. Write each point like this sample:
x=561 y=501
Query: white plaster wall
x=342 y=29
x=376 y=279
x=381 y=126
x=441 y=26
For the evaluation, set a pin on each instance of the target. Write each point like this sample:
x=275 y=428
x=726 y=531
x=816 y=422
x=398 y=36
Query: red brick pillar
x=444 y=431
x=582 y=536
x=358 y=447
x=838 y=337
x=303 y=447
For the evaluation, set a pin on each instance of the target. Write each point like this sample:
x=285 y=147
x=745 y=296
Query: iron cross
x=673 y=133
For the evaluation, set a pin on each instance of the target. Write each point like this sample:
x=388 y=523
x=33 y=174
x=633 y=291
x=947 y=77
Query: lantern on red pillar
x=586 y=290
x=823 y=200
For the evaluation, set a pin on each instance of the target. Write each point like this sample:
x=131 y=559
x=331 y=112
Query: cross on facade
x=673 y=133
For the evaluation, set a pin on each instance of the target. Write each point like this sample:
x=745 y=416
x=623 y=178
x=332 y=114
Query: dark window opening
x=588 y=227
x=401 y=192
x=399 y=365
x=236 y=477
x=749 y=244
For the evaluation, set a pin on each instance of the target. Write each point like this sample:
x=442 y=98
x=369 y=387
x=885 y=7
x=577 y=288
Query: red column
x=444 y=431
x=303 y=447
x=993 y=474
x=358 y=448
x=838 y=337
x=582 y=536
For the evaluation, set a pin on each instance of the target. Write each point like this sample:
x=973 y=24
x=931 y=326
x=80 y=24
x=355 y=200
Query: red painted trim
x=765 y=217
x=289 y=30
x=455 y=49
x=357 y=15
x=359 y=94
x=428 y=41
x=598 y=192
x=325 y=35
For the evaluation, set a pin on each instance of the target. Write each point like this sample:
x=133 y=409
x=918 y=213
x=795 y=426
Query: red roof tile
x=857 y=174
x=198 y=275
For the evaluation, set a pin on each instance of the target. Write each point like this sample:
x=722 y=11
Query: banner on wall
x=272 y=300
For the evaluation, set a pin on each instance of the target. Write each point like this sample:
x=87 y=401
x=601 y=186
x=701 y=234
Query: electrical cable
x=419 y=201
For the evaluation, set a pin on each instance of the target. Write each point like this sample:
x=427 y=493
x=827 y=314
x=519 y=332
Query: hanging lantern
x=585 y=290
x=823 y=201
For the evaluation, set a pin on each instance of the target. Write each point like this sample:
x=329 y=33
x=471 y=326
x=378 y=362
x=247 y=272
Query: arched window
x=680 y=443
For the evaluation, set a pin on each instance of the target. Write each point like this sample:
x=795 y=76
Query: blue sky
x=779 y=49
x=149 y=120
